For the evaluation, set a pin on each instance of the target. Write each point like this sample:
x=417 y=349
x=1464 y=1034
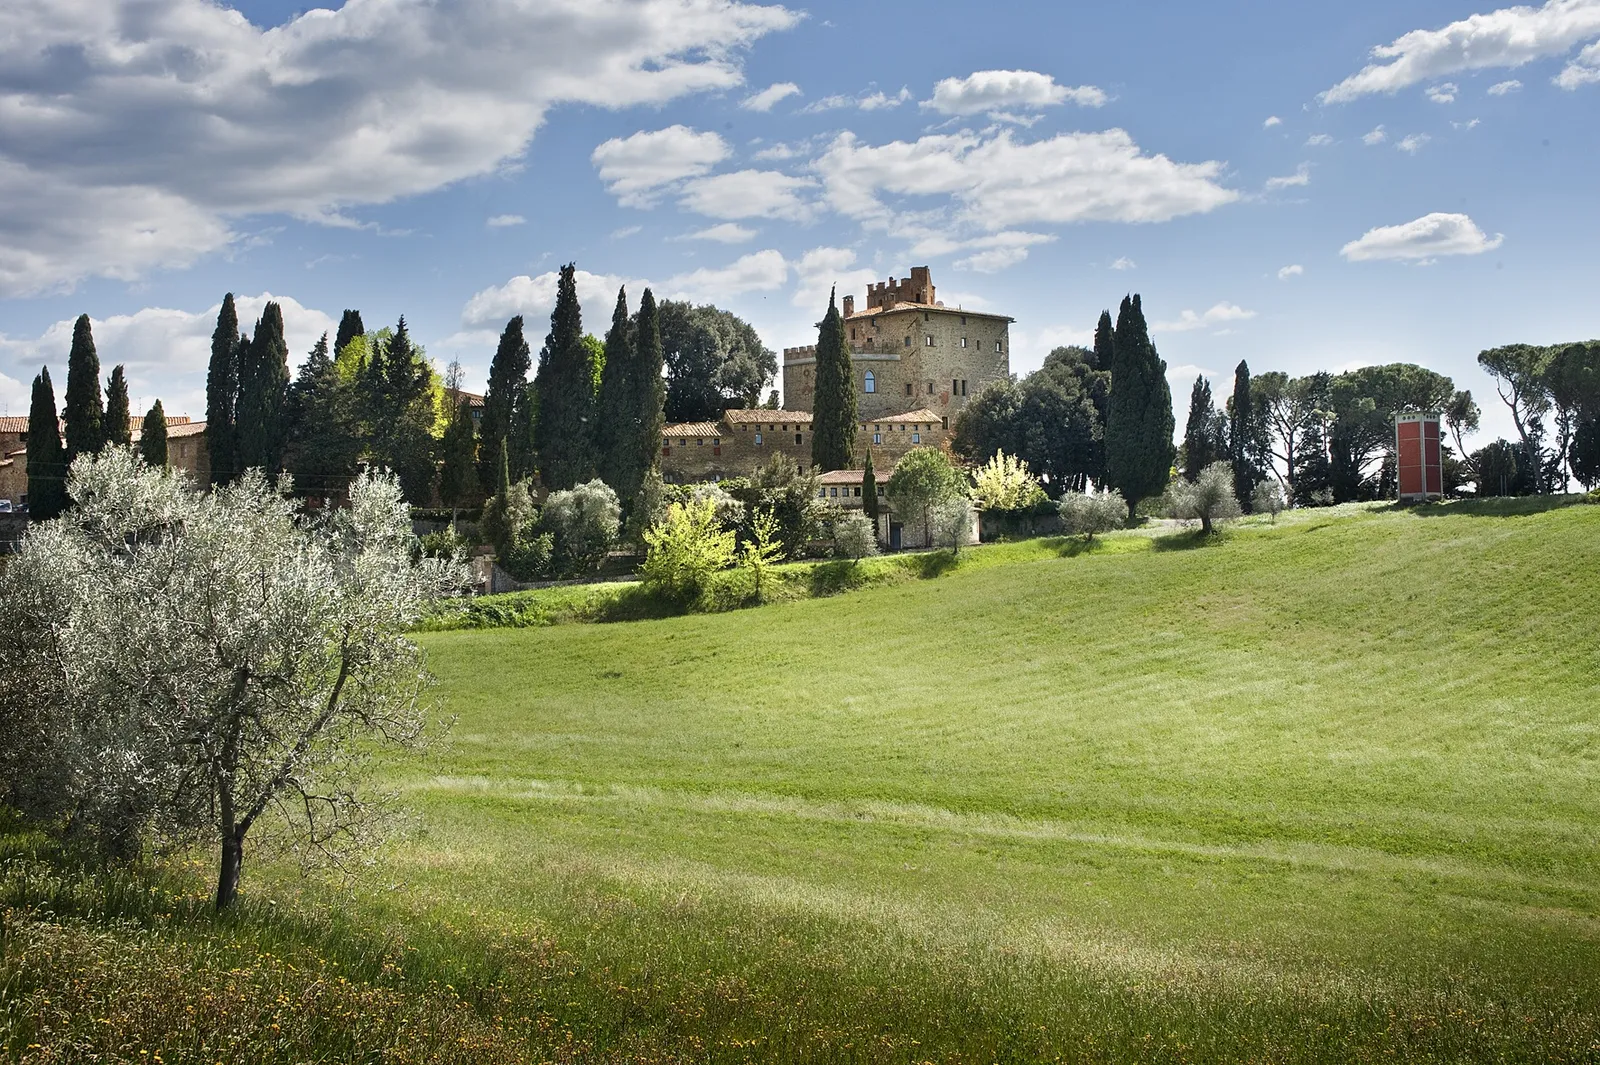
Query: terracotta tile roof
x=13 y=425
x=902 y=307
x=711 y=429
x=850 y=477
x=923 y=415
x=177 y=429
x=775 y=417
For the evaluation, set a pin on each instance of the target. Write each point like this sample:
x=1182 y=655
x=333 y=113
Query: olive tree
x=1208 y=497
x=855 y=536
x=1090 y=513
x=187 y=668
x=584 y=523
x=923 y=479
x=950 y=523
x=1267 y=498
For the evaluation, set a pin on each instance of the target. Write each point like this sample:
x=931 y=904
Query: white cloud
x=535 y=297
x=1002 y=90
x=879 y=101
x=874 y=100
x=820 y=270
x=1444 y=93
x=172 y=120
x=1469 y=124
x=1124 y=263
x=1432 y=235
x=724 y=233
x=764 y=100
x=1216 y=315
x=625 y=232
x=998 y=182
x=1000 y=250
x=15 y=397
x=750 y=194
x=759 y=271
x=1584 y=70
x=164 y=350
x=1377 y=136
x=1300 y=177
x=1272 y=121
x=1291 y=271
x=836 y=102
x=502 y=221
x=1318 y=140
x=636 y=168
x=1509 y=37
x=1413 y=144
x=1500 y=88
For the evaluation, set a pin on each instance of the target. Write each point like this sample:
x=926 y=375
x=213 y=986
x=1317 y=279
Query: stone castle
x=914 y=361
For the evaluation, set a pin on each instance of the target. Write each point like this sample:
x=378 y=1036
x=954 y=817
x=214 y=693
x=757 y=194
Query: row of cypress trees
x=92 y=421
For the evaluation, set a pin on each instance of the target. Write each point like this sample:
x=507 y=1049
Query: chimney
x=849 y=306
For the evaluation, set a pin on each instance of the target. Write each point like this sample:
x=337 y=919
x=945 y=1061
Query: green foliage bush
x=582 y=526
x=685 y=550
x=1086 y=514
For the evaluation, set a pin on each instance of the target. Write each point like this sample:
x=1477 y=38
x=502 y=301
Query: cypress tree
x=47 y=458
x=1244 y=436
x=563 y=431
x=118 y=424
x=458 y=475
x=84 y=412
x=323 y=443
x=649 y=387
x=1139 y=421
x=350 y=327
x=508 y=379
x=261 y=414
x=153 y=437
x=833 y=413
x=222 y=393
x=869 y=491
x=1200 y=433
x=404 y=414
x=1104 y=343
x=616 y=410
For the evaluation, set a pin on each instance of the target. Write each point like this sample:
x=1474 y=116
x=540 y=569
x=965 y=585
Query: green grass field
x=1325 y=791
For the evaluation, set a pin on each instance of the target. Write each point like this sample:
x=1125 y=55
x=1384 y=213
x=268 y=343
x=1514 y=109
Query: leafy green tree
x=869 y=491
x=1051 y=420
x=950 y=524
x=153 y=437
x=324 y=437
x=855 y=536
x=1203 y=433
x=1360 y=434
x=564 y=434
x=1090 y=513
x=262 y=411
x=1247 y=435
x=791 y=495
x=1584 y=455
x=118 y=423
x=833 y=411
x=1572 y=379
x=923 y=479
x=402 y=413
x=1267 y=498
x=1285 y=412
x=632 y=394
x=685 y=549
x=350 y=327
x=222 y=393
x=1500 y=473
x=47 y=457
x=508 y=381
x=762 y=550
x=583 y=523
x=458 y=476
x=1208 y=497
x=1519 y=372
x=84 y=411
x=714 y=360
x=1003 y=485
x=1139 y=420
x=1105 y=343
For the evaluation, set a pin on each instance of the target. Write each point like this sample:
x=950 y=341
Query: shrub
x=1004 y=485
x=1267 y=498
x=507 y=515
x=854 y=536
x=583 y=524
x=685 y=549
x=444 y=544
x=529 y=557
x=762 y=550
x=1209 y=497
x=1088 y=514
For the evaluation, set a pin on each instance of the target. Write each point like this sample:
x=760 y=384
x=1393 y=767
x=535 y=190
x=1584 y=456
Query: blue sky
x=1277 y=190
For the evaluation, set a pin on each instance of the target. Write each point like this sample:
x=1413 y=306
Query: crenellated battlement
x=884 y=295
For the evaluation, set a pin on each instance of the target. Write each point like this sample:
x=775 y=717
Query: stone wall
x=745 y=440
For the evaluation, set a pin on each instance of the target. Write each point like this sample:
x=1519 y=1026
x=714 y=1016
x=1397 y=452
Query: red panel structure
x=1421 y=463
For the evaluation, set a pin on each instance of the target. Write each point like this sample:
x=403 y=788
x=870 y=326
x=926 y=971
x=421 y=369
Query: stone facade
x=743 y=440
x=908 y=350
x=186 y=451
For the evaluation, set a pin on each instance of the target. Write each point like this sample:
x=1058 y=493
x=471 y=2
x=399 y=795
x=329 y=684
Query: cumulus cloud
x=503 y=221
x=1274 y=120
x=820 y=270
x=535 y=297
x=764 y=100
x=1500 y=88
x=1377 y=136
x=1218 y=314
x=759 y=271
x=164 y=350
x=15 y=397
x=1426 y=238
x=636 y=169
x=1301 y=176
x=1413 y=144
x=988 y=91
x=1584 y=70
x=724 y=233
x=750 y=194
x=1291 y=271
x=171 y=121
x=1318 y=140
x=1444 y=93
x=1506 y=38
x=997 y=251
x=998 y=182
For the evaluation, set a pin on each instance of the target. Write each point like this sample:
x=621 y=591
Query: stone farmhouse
x=914 y=361
x=186 y=451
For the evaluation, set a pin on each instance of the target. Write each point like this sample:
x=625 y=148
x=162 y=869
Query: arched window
x=872 y=382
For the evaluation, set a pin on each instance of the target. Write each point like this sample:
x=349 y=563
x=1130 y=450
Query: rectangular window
x=666 y=450
x=963 y=388
x=963 y=341
x=944 y=423
x=700 y=443
x=716 y=451
x=821 y=492
x=916 y=438
x=856 y=492
x=955 y=387
x=908 y=388
x=797 y=440
x=758 y=440
x=880 y=491
x=834 y=492
x=877 y=438
x=928 y=341
x=908 y=342
x=930 y=388
x=963 y=319
x=717 y=442
x=998 y=347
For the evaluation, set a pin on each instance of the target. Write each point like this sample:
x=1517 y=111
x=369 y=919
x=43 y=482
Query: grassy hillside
x=1327 y=791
